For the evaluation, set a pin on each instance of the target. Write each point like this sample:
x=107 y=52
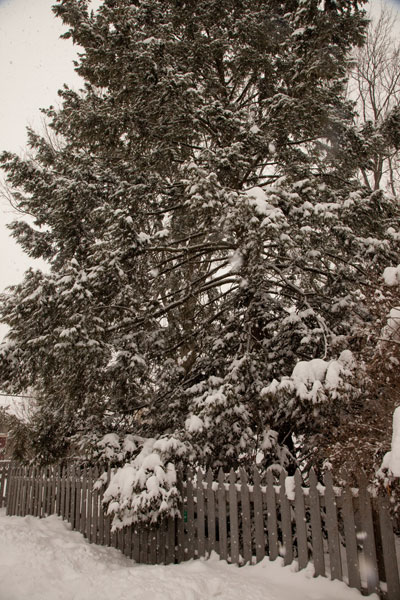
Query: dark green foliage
x=204 y=228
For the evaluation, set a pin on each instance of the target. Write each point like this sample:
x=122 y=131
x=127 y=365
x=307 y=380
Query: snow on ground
x=42 y=559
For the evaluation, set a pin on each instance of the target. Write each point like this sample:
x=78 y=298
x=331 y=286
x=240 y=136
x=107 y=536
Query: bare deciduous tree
x=375 y=84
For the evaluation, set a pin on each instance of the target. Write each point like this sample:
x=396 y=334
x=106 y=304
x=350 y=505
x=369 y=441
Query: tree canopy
x=212 y=255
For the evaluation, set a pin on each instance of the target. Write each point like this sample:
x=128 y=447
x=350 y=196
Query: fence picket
x=107 y=518
x=201 y=537
x=316 y=526
x=63 y=493
x=258 y=516
x=68 y=500
x=234 y=521
x=95 y=504
x=17 y=491
x=73 y=497
x=332 y=528
x=25 y=492
x=8 y=490
x=101 y=518
x=36 y=493
x=300 y=516
x=143 y=544
x=135 y=543
x=367 y=535
x=84 y=503
x=18 y=502
x=190 y=541
x=211 y=520
x=286 y=521
x=2 y=484
x=222 y=523
x=152 y=545
x=272 y=521
x=31 y=490
x=89 y=505
x=246 y=518
x=180 y=526
x=353 y=566
x=78 y=499
x=169 y=541
x=162 y=543
x=48 y=488
x=12 y=491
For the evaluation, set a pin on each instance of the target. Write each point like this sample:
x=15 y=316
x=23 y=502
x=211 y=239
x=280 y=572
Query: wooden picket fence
x=347 y=534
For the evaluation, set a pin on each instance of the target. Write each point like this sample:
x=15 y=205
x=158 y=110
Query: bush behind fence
x=345 y=532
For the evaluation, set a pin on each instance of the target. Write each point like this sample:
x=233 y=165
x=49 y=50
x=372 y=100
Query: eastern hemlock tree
x=212 y=255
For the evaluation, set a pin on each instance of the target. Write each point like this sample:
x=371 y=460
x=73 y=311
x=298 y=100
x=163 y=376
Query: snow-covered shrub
x=144 y=490
x=316 y=380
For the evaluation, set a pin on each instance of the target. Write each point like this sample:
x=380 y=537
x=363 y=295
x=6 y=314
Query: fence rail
x=345 y=533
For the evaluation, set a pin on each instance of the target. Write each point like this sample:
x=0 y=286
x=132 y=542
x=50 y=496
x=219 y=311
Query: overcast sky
x=34 y=64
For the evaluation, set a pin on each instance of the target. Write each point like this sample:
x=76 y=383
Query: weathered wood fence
x=347 y=534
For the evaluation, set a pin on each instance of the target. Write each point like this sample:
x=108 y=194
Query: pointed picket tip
x=199 y=476
x=221 y=477
x=270 y=477
x=312 y=477
x=232 y=476
x=256 y=475
x=243 y=476
x=298 y=479
x=282 y=479
x=362 y=481
x=328 y=479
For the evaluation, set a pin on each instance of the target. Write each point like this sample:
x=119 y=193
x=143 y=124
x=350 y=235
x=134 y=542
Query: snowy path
x=44 y=560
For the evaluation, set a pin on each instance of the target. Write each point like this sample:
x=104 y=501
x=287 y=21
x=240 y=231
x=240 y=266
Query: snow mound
x=42 y=559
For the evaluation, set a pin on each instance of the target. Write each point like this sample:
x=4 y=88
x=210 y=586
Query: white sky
x=34 y=64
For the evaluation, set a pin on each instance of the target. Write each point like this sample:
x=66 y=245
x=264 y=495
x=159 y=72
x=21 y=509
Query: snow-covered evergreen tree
x=212 y=253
